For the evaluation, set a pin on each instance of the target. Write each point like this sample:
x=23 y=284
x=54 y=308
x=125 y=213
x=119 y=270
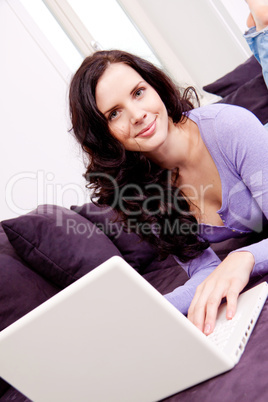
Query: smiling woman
x=124 y=110
x=136 y=115
x=140 y=132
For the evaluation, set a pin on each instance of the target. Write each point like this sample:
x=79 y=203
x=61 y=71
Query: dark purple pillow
x=58 y=243
x=137 y=253
x=253 y=95
x=21 y=288
x=234 y=79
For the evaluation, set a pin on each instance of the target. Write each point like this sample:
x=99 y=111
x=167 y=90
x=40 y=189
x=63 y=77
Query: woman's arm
x=197 y=270
x=246 y=148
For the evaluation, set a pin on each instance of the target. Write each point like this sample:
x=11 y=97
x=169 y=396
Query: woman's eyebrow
x=136 y=87
x=131 y=92
x=112 y=108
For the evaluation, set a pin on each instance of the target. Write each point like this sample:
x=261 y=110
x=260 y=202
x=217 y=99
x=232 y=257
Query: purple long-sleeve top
x=238 y=145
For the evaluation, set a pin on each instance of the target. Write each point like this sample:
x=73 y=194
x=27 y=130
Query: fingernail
x=207 y=329
x=230 y=314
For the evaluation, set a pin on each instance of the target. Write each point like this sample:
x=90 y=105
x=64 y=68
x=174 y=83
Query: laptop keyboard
x=223 y=331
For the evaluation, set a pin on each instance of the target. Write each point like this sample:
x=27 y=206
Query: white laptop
x=112 y=337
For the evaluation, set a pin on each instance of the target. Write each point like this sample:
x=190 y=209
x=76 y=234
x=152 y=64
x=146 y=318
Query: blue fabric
x=258 y=43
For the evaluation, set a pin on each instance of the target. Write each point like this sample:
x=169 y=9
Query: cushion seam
x=38 y=251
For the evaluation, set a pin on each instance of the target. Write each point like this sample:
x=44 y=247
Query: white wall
x=197 y=41
x=40 y=161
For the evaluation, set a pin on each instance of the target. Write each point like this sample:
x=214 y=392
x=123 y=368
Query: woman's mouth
x=148 y=130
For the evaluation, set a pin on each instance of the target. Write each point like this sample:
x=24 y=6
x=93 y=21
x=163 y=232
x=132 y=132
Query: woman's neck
x=180 y=150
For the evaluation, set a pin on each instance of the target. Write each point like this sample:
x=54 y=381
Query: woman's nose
x=137 y=116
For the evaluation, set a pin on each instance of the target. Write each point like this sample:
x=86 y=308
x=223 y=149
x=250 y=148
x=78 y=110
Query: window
x=54 y=33
x=110 y=27
x=105 y=21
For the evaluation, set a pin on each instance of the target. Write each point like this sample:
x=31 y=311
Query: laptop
x=110 y=336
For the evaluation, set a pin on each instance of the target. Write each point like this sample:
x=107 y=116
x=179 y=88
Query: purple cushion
x=244 y=86
x=234 y=79
x=253 y=96
x=59 y=244
x=137 y=253
x=21 y=289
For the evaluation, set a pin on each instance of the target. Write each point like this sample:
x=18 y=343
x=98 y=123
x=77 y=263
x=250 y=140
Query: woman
x=189 y=176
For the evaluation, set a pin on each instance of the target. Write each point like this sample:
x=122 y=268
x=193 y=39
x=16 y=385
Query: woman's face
x=136 y=115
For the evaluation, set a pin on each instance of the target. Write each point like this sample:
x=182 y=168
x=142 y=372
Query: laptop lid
x=108 y=336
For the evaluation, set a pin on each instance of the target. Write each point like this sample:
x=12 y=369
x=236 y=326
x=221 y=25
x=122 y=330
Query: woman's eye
x=139 y=92
x=113 y=115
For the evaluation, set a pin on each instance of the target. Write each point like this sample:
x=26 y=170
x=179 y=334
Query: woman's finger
x=231 y=297
x=203 y=309
x=196 y=312
x=212 y=306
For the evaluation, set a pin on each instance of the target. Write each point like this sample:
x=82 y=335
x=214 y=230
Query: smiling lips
x=147 y=130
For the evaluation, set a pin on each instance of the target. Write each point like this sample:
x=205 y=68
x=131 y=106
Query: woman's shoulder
x=223 y=121
x=230 y=130
x=218 y=111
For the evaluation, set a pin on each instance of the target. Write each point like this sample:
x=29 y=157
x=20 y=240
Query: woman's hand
x=227 y=280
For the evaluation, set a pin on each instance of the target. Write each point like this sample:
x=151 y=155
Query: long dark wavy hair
x=143 y=194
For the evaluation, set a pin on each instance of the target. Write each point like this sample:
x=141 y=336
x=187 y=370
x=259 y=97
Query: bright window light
x=111 y=28
x=104 y=19
x=54 y=33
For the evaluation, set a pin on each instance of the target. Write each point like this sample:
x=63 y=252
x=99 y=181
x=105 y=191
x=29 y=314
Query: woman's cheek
x=120 y=132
